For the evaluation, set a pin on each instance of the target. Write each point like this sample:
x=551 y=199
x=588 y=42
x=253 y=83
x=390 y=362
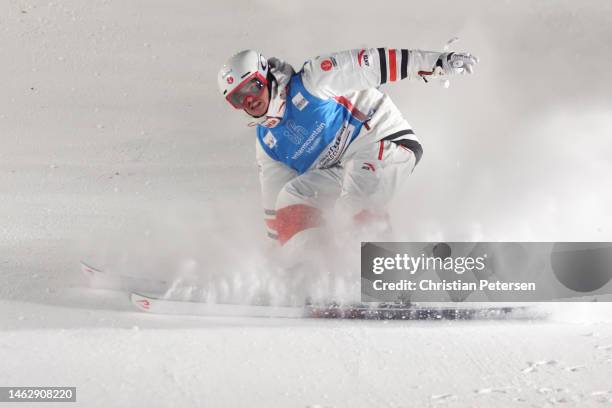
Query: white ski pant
x=357 y=190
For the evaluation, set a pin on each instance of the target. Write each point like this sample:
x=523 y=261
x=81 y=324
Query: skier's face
x=257 y=105
x=252 y=95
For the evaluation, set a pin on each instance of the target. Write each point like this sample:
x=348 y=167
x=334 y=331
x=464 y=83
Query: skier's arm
x=341 y=72
x=273 y=176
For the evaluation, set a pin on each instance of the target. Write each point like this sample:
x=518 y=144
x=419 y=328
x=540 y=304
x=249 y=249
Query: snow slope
x=117 y=148
x=135 y=359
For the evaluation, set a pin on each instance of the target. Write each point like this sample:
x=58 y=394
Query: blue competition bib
x=313 y=131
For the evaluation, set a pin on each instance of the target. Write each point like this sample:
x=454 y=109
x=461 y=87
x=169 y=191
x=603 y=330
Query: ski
x=362 y=311
x=191 y=308
x=399 y=311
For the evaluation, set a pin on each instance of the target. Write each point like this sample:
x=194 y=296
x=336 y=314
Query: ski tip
x=87 y=269
x=141 y=302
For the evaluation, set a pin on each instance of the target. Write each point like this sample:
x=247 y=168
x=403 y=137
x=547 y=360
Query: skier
x=327 y=137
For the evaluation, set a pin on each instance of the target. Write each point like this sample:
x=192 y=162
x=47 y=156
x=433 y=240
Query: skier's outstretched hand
x=457 y=63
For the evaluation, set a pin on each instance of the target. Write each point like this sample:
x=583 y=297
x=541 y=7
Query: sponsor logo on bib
x=299 y=101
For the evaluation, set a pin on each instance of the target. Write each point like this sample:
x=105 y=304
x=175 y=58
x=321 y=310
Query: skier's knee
x=295 y=218
x=296 y=210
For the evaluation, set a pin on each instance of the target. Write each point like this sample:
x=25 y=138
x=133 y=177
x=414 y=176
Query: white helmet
x=245 y=66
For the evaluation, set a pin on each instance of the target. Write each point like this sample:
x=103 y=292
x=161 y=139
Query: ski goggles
x=252 y=86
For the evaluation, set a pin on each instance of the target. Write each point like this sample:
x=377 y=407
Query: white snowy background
x=117 y=148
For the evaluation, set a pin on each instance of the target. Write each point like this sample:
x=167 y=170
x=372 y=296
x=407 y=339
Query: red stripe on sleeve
x=392 y=66
x=380 y=151
x=360 y=116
